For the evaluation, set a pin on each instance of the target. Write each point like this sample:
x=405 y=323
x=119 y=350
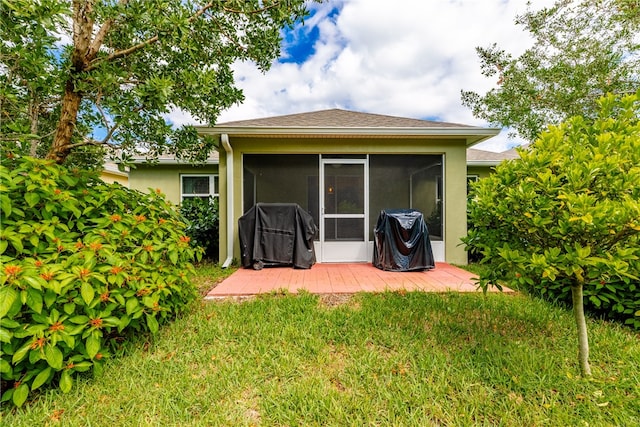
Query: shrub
x=202 y=218
x=565 y=217
x=84 y=263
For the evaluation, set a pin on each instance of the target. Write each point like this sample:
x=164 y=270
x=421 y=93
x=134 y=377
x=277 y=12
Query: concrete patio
x=344 y=278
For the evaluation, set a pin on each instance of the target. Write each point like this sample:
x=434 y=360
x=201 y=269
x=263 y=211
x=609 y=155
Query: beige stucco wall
x=480 y=171
x=111 y=177
x=165 y=177
x=455 y=224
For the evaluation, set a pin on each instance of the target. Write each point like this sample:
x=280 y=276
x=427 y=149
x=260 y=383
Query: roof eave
x=172 y=162
x=114 y=173
x=472 y=135
x=484 y=163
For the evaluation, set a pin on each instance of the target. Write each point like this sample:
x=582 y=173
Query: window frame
x=213 y=180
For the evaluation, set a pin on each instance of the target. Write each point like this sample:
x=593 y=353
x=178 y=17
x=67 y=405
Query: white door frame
x=348 y=251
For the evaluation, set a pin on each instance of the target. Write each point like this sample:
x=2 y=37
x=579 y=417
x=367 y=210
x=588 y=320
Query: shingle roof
x=336 y=118
x=489 y=158
x=481 y=155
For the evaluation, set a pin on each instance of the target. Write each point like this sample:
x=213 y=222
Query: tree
x=582 y=50
x=567 y=212
x=105 y=73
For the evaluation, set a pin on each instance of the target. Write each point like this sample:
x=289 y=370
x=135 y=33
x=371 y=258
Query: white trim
x=485 y=163
x=350 y=251
x=443 y=214
x=224 y=141
x=471 y=134
x=437 y=247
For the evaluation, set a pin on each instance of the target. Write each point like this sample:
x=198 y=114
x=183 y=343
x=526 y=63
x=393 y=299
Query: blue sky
x=408 y=58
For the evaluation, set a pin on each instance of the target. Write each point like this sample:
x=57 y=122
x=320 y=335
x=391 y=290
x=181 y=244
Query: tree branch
x=126 y=52
x=113 y=128
x=120 y=54
x=89 y=141
x=101 y=111
x=102 y=33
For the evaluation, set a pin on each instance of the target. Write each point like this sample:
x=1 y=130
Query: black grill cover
x=277 y=234
x=402 y=241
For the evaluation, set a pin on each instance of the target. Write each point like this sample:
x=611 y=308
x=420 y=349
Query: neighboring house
x=343 y=167
x=110 y=174
x=176 y=179
x=481 y=163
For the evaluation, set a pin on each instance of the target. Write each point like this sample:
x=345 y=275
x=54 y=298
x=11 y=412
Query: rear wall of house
x=455 y=175
x=480 y=171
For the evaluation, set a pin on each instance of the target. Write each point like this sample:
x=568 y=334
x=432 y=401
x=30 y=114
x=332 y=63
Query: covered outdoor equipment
x=277 y=234
x=402 y=241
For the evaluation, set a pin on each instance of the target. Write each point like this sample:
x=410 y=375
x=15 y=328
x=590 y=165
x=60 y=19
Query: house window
x=202 y=186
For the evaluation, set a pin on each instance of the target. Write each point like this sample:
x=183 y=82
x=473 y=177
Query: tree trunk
x=581 y=324
x=82 y=32
x=61 y=146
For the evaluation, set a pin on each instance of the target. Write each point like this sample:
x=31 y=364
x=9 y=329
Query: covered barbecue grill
x=402 y=241
x=277 y=234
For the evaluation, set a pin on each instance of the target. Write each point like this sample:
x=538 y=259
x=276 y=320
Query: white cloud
x=409 y=58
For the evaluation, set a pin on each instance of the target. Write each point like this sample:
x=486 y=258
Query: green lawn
x=389 y=359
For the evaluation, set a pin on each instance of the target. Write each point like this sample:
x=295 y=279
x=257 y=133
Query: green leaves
x=567 y=210
x=579 y=181
x=202 y=217
x=53 y=356
x=8 y=296
x=130 y=74
x=32 y=199
x=73 y=276
x=41 y=378
x=66 y=382
x=20 y=394
x=93 y=345
x=87 y=292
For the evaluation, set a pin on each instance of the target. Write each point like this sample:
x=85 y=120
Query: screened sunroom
x=345 y=193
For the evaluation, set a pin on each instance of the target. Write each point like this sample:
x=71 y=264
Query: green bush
x=567 y=213
x=84 y=264
x=202 y=218
x=612 y=299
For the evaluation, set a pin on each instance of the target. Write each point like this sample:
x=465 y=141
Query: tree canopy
x=75 y=75
x=566 y=214
x=582 y=50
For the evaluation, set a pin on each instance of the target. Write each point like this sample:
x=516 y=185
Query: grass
x=392 y=359
x=209 y=274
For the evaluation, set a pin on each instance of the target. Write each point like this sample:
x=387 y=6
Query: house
x=175 y=178
x=480 y=163
x=111 y=173
x=343 y=167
